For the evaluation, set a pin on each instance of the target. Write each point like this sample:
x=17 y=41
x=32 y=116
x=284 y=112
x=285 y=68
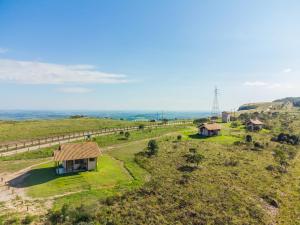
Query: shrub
x=270 y=168
x=152 y=147
x=28 y=219
x=287 y=138
x=194 y=158
x=185 y=178
x=234 y=124
x=271 y=201
x=238 y=143
x=231 y=162
x=121 y=132
x=179 y=137
x=193 y=150
x=127 y=135
x=281 y=157
x=258 y=145
x=248 y=138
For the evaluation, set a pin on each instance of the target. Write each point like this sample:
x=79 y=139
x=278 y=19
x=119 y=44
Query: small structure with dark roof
x=209 y=129
x=75 y=157
x=254 y=125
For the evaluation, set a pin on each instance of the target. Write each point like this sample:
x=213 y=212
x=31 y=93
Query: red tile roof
x=73 y=151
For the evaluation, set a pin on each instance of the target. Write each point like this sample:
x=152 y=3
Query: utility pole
x=215 y=112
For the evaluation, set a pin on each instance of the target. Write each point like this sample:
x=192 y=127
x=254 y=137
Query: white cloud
x=255 y=83
x=30 y=72
x=3 y=50
x=269 y=85
x=287 y=70
x=75 y=90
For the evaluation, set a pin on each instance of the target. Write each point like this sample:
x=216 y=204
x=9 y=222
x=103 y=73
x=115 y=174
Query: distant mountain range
x=279 y=104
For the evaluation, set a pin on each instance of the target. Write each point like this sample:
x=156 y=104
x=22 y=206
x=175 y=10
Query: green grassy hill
x=285 y=104
x=234 y=181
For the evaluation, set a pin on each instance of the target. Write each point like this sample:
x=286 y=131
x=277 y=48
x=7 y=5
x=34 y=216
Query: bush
x=152 y=147
x=281 y=157
x=121 y=132
x=270 y=168
x=234 y=125
x=127 y=135
x=28 y=219
x=271 y=201
x=195 y=158
x=248 y=138
x=238 y=143
x=231 y=162
x=179 y=137
x=287 y=138
x=193 y=150
x=258 y=145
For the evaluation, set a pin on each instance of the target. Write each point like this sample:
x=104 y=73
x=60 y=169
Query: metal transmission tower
x=215 y=112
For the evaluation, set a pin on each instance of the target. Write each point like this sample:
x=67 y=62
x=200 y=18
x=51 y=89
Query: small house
x=254 y=125
x=209 y=129
x=226 y=116
x=76 y=157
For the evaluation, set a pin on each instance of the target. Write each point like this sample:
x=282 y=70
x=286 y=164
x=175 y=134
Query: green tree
x=152 y=147
x=127 y=135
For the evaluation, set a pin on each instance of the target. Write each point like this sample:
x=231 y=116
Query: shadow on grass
x=198 y=136
x=123 y=139
x=186 y=168
x=35 y=177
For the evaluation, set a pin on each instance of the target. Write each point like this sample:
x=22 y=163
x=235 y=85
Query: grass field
x=27 y=130
x=44 y=182
x=232 y=184
x=125 y=154
x=16 y=165
x=137 y=135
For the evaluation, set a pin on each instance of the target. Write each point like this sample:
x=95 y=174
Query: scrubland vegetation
x=173 y=176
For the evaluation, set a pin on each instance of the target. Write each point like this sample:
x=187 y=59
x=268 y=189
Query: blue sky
x=147 y=55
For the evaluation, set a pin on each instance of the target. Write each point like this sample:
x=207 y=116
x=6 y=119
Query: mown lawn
x=44 y=182
x=125 y=153
x=228 y=135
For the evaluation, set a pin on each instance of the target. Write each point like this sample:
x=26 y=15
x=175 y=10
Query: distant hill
x=294 y=100
x=279 y=104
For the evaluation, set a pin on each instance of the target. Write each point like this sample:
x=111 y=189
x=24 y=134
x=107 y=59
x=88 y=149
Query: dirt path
x=7 y=192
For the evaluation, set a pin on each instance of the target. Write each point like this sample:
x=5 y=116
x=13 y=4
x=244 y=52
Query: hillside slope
x=289 y=103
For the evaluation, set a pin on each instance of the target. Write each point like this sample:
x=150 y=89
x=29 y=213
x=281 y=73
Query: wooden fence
x=49 y=141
